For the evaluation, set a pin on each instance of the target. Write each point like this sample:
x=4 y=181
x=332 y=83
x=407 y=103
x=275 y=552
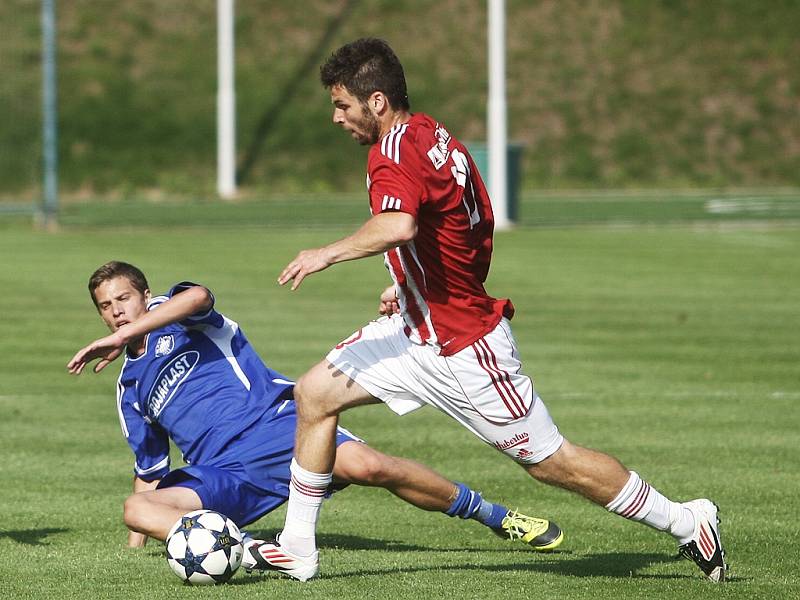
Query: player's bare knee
x=313 y=403
x=377 y=470
x=135 y=511
x=365 y=466
x=560 y=468
x=308 y=404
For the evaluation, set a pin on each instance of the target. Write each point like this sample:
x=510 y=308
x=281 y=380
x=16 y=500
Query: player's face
x=118 y=302
x=354 y=117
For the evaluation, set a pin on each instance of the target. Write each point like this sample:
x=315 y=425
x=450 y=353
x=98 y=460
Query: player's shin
x=469 y=504
x=306 y=492
x=639 y=501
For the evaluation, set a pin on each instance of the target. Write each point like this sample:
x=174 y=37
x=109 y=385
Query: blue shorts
x=250 y=478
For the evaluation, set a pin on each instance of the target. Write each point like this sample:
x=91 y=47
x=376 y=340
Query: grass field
x=617 y=93
x=673 y=347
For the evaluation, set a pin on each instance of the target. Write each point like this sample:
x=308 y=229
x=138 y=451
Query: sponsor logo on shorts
x=517 y=440
x=523 y=453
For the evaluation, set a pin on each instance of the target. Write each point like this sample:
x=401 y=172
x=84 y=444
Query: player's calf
x=153 y=512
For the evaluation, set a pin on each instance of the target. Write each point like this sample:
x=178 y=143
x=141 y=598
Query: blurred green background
x=602 y=94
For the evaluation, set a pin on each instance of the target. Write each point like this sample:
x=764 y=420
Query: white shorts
x=481 y=386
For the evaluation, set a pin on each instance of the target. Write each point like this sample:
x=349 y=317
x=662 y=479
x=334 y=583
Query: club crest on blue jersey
x=164 y=345
x=171 y=376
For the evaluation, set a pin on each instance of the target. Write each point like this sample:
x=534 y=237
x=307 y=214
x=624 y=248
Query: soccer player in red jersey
x=443 y=340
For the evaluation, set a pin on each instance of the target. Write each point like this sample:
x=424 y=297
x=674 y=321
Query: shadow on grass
x=616 y=565
x=31 y=537
x=356 y=542
x=621 y=565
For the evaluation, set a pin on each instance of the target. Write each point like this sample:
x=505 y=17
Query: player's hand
x=305 y=263
x=107 y=349
x=388 y=303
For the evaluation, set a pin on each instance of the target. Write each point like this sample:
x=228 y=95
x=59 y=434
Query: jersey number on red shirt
x=460 y=171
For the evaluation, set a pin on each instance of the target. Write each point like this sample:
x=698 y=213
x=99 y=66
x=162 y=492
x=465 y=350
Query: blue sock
x=469 y=504
x=494 y=516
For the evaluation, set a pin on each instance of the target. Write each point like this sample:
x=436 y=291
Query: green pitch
x=674 y=348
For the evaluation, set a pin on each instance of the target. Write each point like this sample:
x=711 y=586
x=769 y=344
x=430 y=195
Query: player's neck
x=393 y=119
x=137 y=347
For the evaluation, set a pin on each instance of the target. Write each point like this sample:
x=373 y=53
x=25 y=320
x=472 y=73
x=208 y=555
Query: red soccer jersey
x=420 y=169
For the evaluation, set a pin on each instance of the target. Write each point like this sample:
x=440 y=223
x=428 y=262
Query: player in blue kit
x=190 y=375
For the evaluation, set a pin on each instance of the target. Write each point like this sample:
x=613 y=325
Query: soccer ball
x=204 y=547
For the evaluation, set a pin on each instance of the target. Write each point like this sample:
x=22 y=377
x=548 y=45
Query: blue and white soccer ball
x=204 y=547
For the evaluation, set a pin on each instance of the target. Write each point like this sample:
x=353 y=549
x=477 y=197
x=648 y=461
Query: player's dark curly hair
x=117 y=268
x=365 y=66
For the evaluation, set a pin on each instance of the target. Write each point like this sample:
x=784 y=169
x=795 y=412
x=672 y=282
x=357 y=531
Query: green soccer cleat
x=540 y=534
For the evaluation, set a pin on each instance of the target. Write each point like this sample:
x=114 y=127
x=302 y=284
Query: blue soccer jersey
x=201 y=383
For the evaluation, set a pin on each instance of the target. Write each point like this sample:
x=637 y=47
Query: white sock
x=306 y=492
x=639 y=501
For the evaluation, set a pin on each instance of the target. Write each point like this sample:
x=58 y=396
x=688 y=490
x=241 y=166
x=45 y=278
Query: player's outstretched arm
x=107 y=349
x=381 y=233
x=192 y=301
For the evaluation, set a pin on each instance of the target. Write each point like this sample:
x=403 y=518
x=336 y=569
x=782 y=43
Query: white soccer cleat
x=260 y=555
x=705 y=547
